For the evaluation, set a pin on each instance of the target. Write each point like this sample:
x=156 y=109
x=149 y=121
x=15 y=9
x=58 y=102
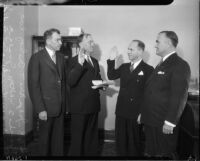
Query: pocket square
x=161 y=72
x=141 y=73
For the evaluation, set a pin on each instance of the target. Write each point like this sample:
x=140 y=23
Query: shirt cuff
x=169 y=123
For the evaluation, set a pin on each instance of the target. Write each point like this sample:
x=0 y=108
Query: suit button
x=131 y=99
x=59 y=81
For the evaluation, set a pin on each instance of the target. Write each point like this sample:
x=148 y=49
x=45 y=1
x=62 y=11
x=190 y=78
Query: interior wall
x=19 y=24
x=118 y=25
x=13 y=71
x=30 y=28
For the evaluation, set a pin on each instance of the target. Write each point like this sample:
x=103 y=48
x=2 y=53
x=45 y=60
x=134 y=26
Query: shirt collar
x=136 y=63
x=86 y=56
x=166 y=56
x=50 y=52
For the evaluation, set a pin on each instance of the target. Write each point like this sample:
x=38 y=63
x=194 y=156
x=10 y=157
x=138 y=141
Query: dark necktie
x=132 y=67
x=89 y=61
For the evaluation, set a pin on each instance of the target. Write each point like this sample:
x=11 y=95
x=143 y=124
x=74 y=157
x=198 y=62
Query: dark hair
x=48 y=33
x=141 y=45
x=80 y=38
x=172 y=36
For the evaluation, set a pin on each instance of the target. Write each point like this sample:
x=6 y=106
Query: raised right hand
x=43 y=115
x=81 y=57
x=113 y=53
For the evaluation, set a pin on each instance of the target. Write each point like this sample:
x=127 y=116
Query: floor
x=32 y=2
x=106 y=141
x=106 y=148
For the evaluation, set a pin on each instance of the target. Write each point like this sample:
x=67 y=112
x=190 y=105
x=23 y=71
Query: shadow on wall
x=103 y=94
x=180 y=52
x=146 y=56
x=103 y=113
x=97 y=52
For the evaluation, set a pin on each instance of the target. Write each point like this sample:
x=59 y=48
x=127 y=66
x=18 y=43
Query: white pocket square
x=141 y=73
x=161 y=72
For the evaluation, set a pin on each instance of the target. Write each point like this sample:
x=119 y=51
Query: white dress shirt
x=135 y=64
x=51 y=53
x=88 y=58
x=166 y=56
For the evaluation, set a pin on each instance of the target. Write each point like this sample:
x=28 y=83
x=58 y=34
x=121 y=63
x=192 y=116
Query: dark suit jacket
x=46 y=83
x=83 y=99
x=166 y=92
x=131 y=87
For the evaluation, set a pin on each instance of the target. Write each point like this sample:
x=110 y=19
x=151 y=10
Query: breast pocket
x=163 y=81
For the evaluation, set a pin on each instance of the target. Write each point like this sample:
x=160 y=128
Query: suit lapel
x=135 y=72
x=137 y=69
x=168 y=62
x=92 y=68
x=58 y=64
x=163 y=66
x=49 y=61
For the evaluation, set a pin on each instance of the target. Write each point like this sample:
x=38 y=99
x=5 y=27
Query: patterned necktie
x=132 y=67
x=54 y=58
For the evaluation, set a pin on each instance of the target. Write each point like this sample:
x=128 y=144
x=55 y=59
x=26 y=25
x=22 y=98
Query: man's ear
x=169 y=42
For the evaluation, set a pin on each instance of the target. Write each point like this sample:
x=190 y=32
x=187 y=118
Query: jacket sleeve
x=178 y=92
x=74 y=73
x=34 y=84
x=98 y=71
x=149 y=71
x=65 y=86
x=113 y=73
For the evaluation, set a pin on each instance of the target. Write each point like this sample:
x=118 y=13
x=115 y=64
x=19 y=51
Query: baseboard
x=16 y=145
x=107 y=135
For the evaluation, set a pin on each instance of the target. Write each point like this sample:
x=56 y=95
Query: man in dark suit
x=46 y=83
x=84 y=100
x=132 y=76
x=165 y=97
